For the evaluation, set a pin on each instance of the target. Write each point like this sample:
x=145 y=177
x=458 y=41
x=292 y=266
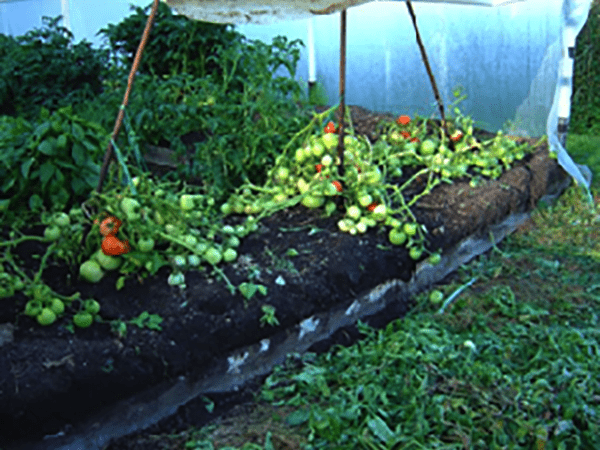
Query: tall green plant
x=44 y=69
x=177 y=44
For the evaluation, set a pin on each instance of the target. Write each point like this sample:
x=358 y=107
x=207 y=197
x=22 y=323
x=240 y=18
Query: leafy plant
x=44 y=68
x=177 y=44
x=51 y=163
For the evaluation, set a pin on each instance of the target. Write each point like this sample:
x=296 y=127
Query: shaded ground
x=50 y=377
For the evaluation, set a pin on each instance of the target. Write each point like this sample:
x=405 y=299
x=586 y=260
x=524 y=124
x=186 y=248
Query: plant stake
x=430 y=73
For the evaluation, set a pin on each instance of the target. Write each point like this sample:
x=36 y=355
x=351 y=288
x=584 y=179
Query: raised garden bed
x=53 y=382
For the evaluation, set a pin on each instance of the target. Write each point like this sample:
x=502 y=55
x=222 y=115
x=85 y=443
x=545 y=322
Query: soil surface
x=50 y=377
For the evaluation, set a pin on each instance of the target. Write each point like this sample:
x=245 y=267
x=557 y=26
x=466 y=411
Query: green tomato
x=350 y=142
x=190 y=240
x=213 y=256
x=57 y=306
x=46 y=317
x=170 y=229
x=193 y=260
x=330 y=140
x=33 y=308
x=186 y=202
x=52 y=233
x=353 y=212
x=229 y=255
x=415 y=253
x=396 y=237
x=365 y=200
x=311 y=201
x=302 y=185
x=435 y=259
x=282 y=174
x=62 y=219
x=107 y=262
x=280 y=198
x=380 y=212
x=226 y=209
x=330 y=208
x=233 y=241
x=91 y=306
x=40 y=292
x=130 y=207
x=327 y=160
x=318 y=149
x=91 y=271
x=373 y=176
x=179 y=260
x=201 y=247
x=436 y=296
x=410 y=229
x=299 y=155
x=146 y=245
x=83 y=319
x=427 y=147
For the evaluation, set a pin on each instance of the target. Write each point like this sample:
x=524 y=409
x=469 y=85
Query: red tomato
x=319 y=167
x=405 y=134
x=110 y=226
x=338 y=185
x=113 y=246
x=330 y=128
x=403 y=120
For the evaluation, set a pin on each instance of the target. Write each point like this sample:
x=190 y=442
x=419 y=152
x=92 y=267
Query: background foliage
x=177 y=44
x=44 y=68
x=585 y=101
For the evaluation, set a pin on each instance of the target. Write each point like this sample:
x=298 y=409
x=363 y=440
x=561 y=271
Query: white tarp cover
x=271 y=11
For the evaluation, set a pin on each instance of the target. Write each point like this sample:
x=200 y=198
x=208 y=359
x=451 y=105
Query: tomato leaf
x=78 y=153
x=46 y=171
x=47 y=147
x=25 y=166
